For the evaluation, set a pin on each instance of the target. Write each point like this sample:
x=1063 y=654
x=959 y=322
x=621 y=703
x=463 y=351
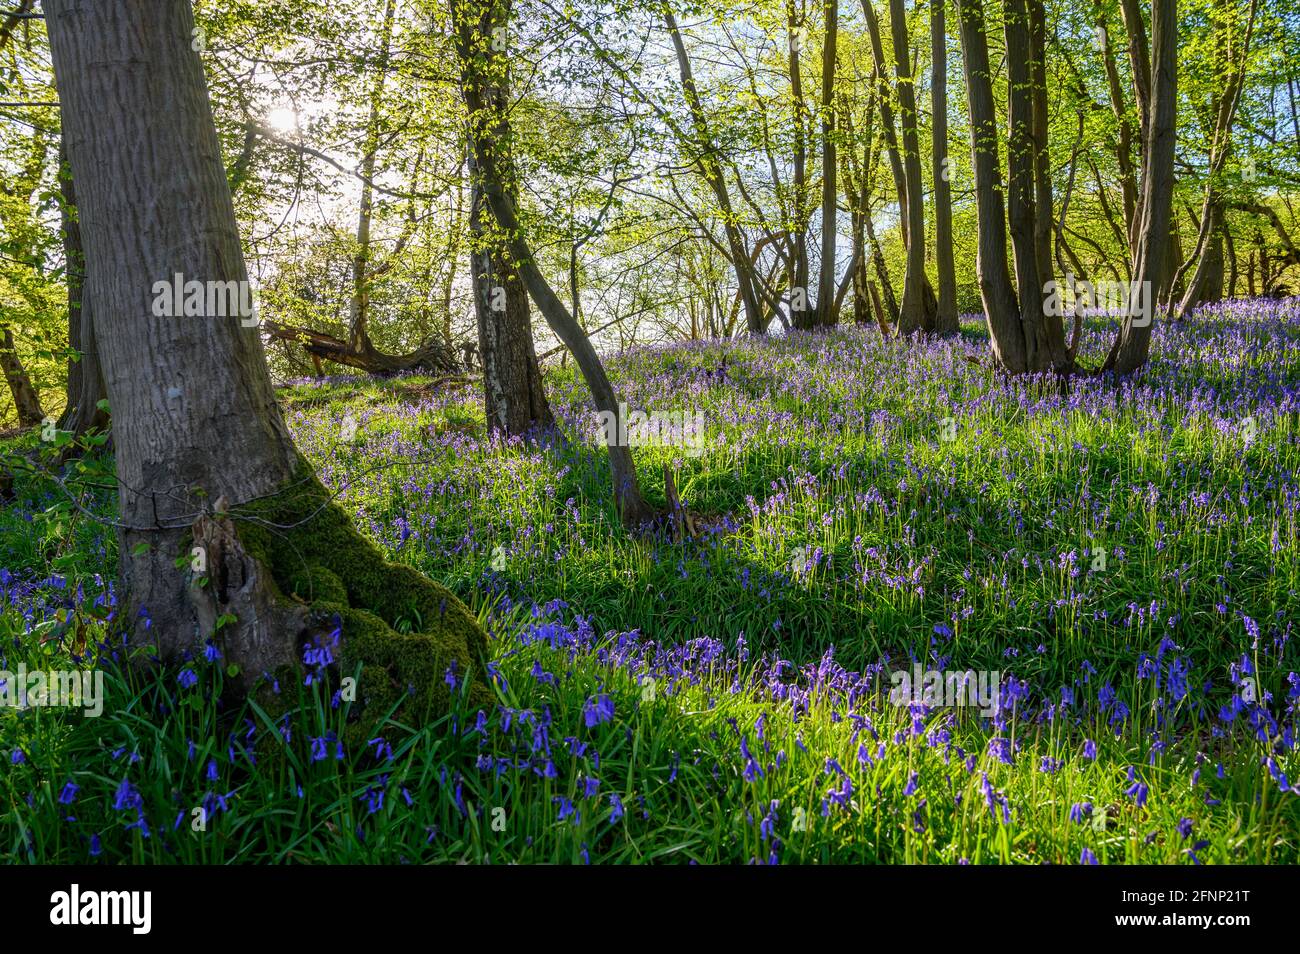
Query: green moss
x=405 y=629
x=316 y=584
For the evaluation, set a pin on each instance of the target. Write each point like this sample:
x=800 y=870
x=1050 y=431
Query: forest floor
x=1121 y=562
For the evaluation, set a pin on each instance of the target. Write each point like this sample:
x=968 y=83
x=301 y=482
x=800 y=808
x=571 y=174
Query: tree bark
x=827 y=312
x=1044 y=333
x=82 y=412
x=27 y=403
x=945 y=320
x=1151 y=266
x=1043 y=198
x=359 y=306
x=514 y=400
x=914 y=313
x=1124 y=142
x=1001 y=309
x=803 y=312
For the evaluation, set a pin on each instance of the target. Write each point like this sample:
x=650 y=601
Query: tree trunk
x=1044 y=334
x=885 y=98
x=514 y=400
x=220 y=519
x=1151 y=266
x=1224 y=107
x=914 y=313
x=82 y=412
x=827 y=313
x=803 y=313
x=1043 y=199
x=27 y=402
x=475 y=29
x=711 y=170
x=1124 y=142
x=1001 y=309
x=945 y=320
x=359 y=306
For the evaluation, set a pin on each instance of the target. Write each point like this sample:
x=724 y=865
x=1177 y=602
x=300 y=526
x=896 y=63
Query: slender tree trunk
x=1230 y=251
x=882 y=273
x=803 y=313
x=885 y=97
x=475 y=27
x=914 y=313
x=1020 y=182
x=1151 y=255
x=1124 y=143
x=514 y=400
x=219 y=516
x=1224 y=107
x=1139 y=61
x=82 y=412
x=711 y=170
x=945 y=321
x=1043 y=198
x=1001 y=309
x=27 y=402
x=827 y=313
x=359 y=306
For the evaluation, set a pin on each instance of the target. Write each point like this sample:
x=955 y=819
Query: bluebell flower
x=597 y=710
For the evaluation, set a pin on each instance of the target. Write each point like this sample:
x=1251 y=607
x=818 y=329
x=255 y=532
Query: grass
x=662 y=702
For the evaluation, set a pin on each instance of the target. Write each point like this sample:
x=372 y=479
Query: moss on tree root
x=405 y=629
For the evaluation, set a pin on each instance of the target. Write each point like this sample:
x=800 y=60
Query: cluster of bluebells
x=772 y=403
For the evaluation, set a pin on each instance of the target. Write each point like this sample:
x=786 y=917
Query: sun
x=283 y=119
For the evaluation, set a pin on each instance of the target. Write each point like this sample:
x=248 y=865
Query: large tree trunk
x=945 y=319
x=1001 y=309
x=221 y=520
x=915 y=313
x=475 y=27
x=1151 y=265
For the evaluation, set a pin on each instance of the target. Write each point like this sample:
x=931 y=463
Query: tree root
x=290 y=571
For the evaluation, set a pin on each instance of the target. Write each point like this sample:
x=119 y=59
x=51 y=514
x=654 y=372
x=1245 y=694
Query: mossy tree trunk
x=225 y=534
